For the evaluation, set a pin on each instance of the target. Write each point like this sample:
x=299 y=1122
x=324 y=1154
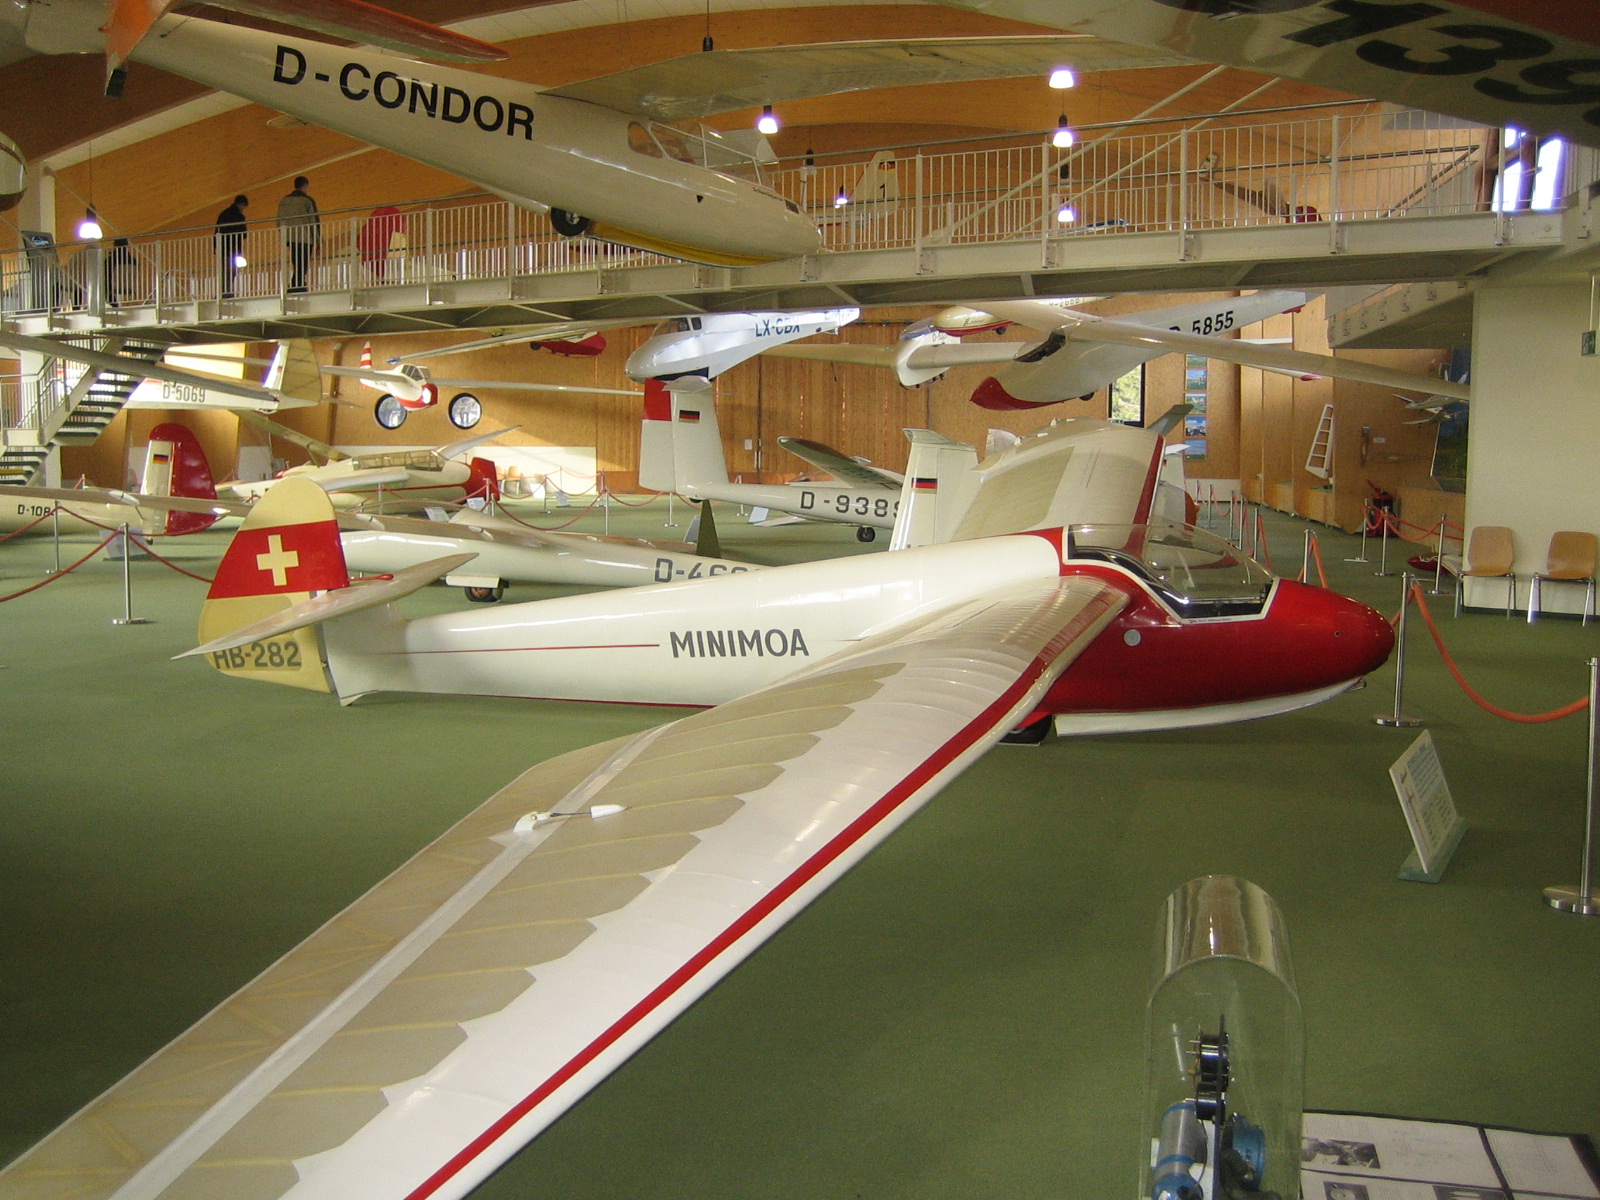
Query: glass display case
x=1224 y=1050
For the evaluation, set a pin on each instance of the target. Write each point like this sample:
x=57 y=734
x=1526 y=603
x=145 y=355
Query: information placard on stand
x=1430 y=812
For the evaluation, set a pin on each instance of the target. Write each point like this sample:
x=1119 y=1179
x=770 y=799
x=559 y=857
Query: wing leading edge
x=421 y=1037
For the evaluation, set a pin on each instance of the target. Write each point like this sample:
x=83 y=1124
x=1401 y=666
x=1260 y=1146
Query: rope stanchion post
x=672 y=521
x=1383 y=553
x=1438 y=562
x=1582 y=898
x=55 y=536
x=605 y=499
x=127 y=617
x=1305 y=558
x=1397 y=719
x=1316 y=555
x=1366 y=520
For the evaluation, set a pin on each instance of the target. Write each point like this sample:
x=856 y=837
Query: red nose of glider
x=989 y=394
x=1337 y=638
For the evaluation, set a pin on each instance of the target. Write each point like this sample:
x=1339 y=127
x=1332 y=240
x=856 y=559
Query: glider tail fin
x=287 y=548
x=293 y=375
x=930 y=496
x=484 y=481
x=680 y=446
x=175 y=465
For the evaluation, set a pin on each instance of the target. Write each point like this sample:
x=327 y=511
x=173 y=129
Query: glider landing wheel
x=569 y=224
x=465 y=411
x=866 y=534
x=389 y=412
x=487 y=595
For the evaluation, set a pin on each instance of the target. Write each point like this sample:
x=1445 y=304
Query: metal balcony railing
x=1218 y=172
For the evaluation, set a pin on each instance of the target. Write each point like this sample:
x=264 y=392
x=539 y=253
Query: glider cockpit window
x=416 y=460
x=1195 y=572
x=659 y=141
x=640 y=141
x=684 y=325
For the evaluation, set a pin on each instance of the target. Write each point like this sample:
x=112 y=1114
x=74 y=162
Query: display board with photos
x=1196 y=374
x=1351 y=1156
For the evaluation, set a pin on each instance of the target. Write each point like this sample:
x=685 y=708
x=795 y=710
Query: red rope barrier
x=1316 y=553
x=114 y=531
x=549 y=528
x=1395 y=522
x=166 y=562
x=30 y=525
x=64 y=571
x=635 y=503
x=1523 y=718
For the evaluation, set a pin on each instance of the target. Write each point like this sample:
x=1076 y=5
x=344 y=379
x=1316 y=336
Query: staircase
x=78 y=418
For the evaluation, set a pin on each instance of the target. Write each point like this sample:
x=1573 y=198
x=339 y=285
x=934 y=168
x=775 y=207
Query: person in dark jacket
x=229 y=241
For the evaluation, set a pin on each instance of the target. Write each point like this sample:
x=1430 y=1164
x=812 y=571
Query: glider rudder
x=175 y=465
x=287 y=548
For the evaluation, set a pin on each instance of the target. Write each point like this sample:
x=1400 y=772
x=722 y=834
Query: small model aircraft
x=176 y=496
x=419 y=1039
x=680 y=450
x=410 y=477
x=408 y=388
x=685 y=348
x=1082 y=353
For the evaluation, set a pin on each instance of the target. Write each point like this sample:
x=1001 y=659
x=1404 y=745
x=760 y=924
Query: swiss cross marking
x=278 y=560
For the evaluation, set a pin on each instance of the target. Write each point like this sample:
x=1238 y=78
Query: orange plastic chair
x=1491 y=554
x=1571 y=560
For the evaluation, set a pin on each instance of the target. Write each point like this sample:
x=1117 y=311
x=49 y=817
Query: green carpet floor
x=961 y=1016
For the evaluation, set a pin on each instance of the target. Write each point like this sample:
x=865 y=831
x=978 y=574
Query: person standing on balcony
x=229 y=242
x=302 y=231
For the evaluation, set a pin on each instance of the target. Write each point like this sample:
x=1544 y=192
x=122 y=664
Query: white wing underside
x=717 y=81
x=446 y=1017
x=841 y=466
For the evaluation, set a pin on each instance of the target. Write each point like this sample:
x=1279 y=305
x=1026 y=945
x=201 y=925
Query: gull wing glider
x=1082 y=353
x=425 y=1034
x=1274 y=358
x=418 y=1039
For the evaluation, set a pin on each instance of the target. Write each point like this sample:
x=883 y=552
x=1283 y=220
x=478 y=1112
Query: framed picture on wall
x=1127 y=397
